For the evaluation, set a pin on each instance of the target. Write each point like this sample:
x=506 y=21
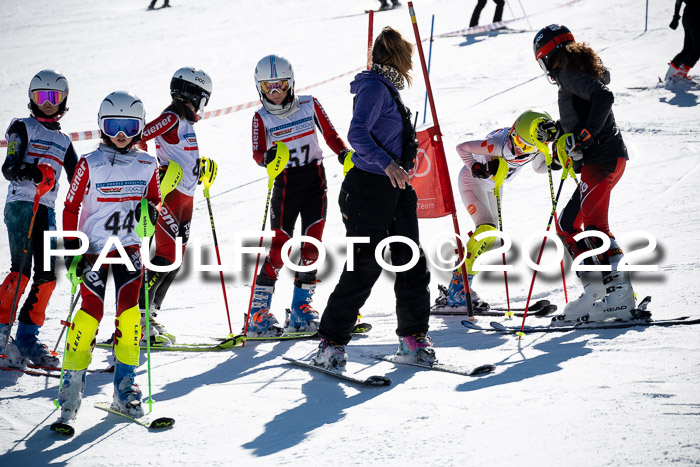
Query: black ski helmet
x=548 y=40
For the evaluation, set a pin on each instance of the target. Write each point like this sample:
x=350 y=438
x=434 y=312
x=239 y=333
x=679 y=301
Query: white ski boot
x=618 y=303
x=71 y=394
x=593 y=289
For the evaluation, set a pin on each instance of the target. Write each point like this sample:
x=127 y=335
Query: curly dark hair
x=580 y=56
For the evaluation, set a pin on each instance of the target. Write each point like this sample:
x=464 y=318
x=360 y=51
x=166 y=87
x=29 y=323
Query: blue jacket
x=376 y=111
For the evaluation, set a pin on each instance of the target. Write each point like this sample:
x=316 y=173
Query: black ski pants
x=372 y=207
x=691 y=42
x=480 y=4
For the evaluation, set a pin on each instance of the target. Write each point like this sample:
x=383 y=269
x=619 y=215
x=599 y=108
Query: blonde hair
x=390 y=48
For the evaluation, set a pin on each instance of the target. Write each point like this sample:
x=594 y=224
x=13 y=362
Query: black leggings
x=691 y=42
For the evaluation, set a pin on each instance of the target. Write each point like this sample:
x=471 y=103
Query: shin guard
x=7 y=294
x=81 y=341
x=476 y=247
x=128 y=335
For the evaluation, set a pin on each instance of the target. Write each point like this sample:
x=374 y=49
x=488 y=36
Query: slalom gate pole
x=525 y=14
x=442 y=164
x=430 y=55
x=210 y=172
x=47 y=182
x=274 y=168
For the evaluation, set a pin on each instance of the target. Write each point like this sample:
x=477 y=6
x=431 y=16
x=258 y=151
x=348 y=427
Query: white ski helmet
x=123 y=112
x=194 y=85
x=52 y=86
x=274 y=69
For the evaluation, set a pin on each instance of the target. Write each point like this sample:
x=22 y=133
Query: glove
x=572 y=147
x=73 y=244
x=29 y=172
x=343 y=154
x=153 y=214
x=480 y=170
x=270 y=155
x=548 y=131
x=584 y=139
x=674 y=22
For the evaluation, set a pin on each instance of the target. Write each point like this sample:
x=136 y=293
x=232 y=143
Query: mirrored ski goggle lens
x=53 y=97
x=268 y=87
x=129 y=126
x=526 y=148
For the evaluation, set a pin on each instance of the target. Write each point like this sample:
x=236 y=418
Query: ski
x=359 y=329
x=225 y=344
x=48 y=371
x=540 y=308
x=370 y=381
x=63 y=428
x=379 y=10
x=157 y=424
x=477 y=371
x=683 y=320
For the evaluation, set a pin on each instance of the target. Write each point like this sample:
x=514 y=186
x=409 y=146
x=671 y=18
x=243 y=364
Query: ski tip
x=162 y=423
x=362 y=328
x=63 y=428
x=483 y=370
x=546 y=310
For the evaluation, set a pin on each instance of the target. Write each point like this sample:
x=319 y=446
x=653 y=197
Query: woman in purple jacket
x=377 y=201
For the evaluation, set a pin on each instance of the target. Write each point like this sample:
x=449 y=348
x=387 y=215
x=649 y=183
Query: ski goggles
x=268 y=87
x=53 y=97
x=524 y=147
x=113 y=126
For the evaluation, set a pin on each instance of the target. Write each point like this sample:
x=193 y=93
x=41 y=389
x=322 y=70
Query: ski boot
x=4 y=337
x=159 y=335
x=32 y=349
x=618 y=303
x=456 y=294
x=71 y=394
x=127 y=395
x=331 y=355
x=302 y=317
x=417 y=348
x=262 y=323
x=577 y=310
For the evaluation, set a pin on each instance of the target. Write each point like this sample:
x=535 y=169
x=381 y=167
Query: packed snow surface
x=607 y=397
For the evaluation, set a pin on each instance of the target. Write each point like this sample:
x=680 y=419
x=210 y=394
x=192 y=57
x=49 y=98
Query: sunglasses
x=53 y=97
x=268 y=87
x=129 y=126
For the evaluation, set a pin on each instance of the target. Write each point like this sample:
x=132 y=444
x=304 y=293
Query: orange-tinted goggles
x=526 y=148
x=268 y=87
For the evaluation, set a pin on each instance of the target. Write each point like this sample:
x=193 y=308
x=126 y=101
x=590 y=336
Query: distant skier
x=106 y=190
x=31 y=141
x=152 y=5
x=176 y=141
x=386 y=6
x=300 y=190
x=687 y=58
x=480 y=4
x=511 y=146
x=585 y=109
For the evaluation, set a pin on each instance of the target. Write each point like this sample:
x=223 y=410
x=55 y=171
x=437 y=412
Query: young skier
x=106 y=190
x=377 y=201
x=176 y=141
x=511 y=146
x=300 y=190
x=32 y=141
x=585 y=109
x=687 y=58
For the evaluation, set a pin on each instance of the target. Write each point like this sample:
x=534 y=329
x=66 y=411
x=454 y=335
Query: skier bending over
x=510 y=146
x=299 y=190
x=585 y=109
x=106 y=190
x=32 y=141
x=176 y=142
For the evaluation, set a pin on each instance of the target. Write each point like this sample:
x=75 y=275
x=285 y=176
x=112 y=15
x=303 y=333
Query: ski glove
x=480 y=170
x=572 y=147
x=674 y=22
x=73 y=244
x=270 y=155
x=29 y=172
x=343 y=154
x=153 y=213
x=548 y=131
